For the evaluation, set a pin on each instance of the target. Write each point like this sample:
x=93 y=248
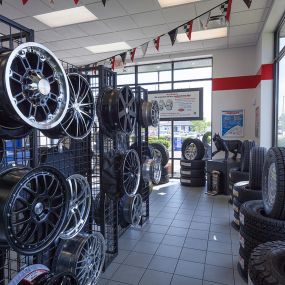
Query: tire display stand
x=68 y=155
x=109 y=209
x=223 y=166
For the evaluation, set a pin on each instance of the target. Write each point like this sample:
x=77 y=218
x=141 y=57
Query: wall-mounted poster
x=232 y=123
x=257 y=122
x=186 y=104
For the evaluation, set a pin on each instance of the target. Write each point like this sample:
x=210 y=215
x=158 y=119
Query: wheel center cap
x=44 y=86
x=39 y=208
x=76 y=106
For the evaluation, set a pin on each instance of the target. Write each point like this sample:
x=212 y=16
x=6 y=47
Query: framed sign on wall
x=232 y=123
x=184 y=104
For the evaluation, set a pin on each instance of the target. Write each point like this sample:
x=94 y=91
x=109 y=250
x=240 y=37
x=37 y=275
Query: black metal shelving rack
x=70 y=156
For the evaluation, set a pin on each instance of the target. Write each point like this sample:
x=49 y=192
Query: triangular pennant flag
x=25 y=2
x=144 y=48
x=247 y=3
x=188 y=29
x=1 y=2
x=204 y=20
x=229 y=9
x=157 y=43
x=76 y=2
x=224 y=8
x=104 y=2
x=94 y=69
x=123 y=56
x=173 y=34
x=113 y=59
x=51 y=1
x=133 y=52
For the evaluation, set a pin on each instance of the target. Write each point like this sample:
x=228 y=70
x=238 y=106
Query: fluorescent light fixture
x=66 y=17
x=169 y=3
x=204 y=35
x=109 y=47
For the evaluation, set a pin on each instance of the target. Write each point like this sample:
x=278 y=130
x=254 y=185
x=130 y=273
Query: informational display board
x=232 y=123
x=185 y=104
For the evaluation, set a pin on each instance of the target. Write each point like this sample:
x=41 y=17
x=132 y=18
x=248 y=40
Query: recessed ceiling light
x=66 y=17
x=109 y=47
x=168 y=3
x=204 y=35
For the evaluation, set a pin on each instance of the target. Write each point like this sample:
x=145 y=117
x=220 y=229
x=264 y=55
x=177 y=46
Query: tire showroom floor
x=187 y=241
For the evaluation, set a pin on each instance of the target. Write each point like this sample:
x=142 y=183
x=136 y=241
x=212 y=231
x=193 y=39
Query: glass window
x=125 y=79
x=281 y=104
x=194 y=63
x=164 y=76
x=282 y=38
x=154 y=67
x=192 y=73
x=147 y=77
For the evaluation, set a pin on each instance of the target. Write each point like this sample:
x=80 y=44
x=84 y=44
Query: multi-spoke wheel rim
x=154 y=113
x=150 y=114
x=83 y=255
x=156 y=172
x=271 y=185
x=79 y=206
x=157 y=156
x=131 y=173
x=36 y=85
x=65 y=278
x=126 y=110
x=132 y=209
x=169 y=104
x=35 y=209
x=190 y=151
x=151 y=171
x=80 y=115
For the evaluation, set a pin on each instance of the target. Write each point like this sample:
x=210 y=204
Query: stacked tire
x=192 y=171
x=161 y=153
x=241 y=174
x=264 y=220
x=249 y=190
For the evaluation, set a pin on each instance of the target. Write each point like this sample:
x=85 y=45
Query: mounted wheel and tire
x=79 y=119
x=245 y=154
x=192 y=182
x=151 y=171
x=83 y=256
x=273 y=183
x=130 y=209
x=267 y=264
x=149 y=114
x=160 y=153
x=116 y=111
x=64 y=278
x=34 y=206
x=192 y=149
x=79 y=206
x=34 y=88
x=257 y=158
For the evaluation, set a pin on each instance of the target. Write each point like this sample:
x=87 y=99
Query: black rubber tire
x=147 y=150
x=243 y=264
x=245 y=155
x=164 y=171
x=192 y=173
x=245 y=194
x=199 y=146
x=193 y=164
x=237 y=186
x=257 y=158
x=258 y=226
x=164 y=179
x=237 y=176
x=236 y=206
x=192 y=182
x=267 y=264
x=163 y=150
x=274 y=204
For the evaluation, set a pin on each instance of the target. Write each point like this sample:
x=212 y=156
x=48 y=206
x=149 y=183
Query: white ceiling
x=135 y=22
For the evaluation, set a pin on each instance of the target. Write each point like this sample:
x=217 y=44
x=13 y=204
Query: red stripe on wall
x=244 y=82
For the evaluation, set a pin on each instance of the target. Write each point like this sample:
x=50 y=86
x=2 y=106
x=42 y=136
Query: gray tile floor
x=187 y=241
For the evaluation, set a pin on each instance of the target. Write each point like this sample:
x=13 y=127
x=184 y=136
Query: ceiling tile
x=69 y=32
x=216 y=43
x=149 y=19
x=139 y=6
x=244 y=29
x=112 y=9
x=155 y=30
x=94 y=28
x=86 y=41
x=246 y=17
x=182 y=12
x=48 y=36
x=32 y=8
x=79 y=52
x=240 y=5
x=129 y=35
x=32 y=23
x=243 y=39
x=61 y=45
x=121 y=23
x=204 y=6
x=62 y=4
x=11 y=12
